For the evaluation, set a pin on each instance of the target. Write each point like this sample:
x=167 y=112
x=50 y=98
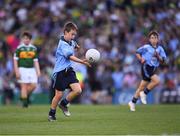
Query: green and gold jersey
x=26 y=55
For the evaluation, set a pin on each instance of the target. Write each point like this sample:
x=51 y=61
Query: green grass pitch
x=92 y=120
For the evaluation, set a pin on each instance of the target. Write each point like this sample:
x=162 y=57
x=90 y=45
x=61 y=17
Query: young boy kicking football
x=63 y=74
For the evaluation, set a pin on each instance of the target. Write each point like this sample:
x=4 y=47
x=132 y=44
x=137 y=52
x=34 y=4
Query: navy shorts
x=147 y=71
x=64 y=78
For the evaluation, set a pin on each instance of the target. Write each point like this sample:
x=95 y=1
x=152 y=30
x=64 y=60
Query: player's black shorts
x=64 y=78
x=147 y=71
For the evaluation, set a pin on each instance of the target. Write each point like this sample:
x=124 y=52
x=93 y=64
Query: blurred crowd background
x=115 y=27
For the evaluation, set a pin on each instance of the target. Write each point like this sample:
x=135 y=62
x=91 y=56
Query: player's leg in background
x=154 y=82
x=141 y=87
x=24 y=94
x=55 y=101
x=30 y=88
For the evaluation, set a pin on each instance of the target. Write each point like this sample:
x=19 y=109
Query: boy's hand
x=77 y=46
x=142 y=60
x=17 y=75
x=85 y=61
x=156 y=54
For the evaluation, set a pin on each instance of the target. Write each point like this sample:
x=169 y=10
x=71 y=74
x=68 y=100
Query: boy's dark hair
x=28 y=34
x=70 y=26
x=153 y=33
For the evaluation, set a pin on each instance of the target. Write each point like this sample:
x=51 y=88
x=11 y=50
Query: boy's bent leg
x=136 y=95
x=76 y=90
x=143 y=97
x=141 y=91
x=55 y=100
x=154 y=82
x=141 y=88
x=64 y=108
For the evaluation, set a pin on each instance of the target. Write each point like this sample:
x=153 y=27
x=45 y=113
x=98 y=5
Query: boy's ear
x=65 y=32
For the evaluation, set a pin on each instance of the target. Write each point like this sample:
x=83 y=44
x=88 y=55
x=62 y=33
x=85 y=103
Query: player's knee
x=57 y=96
x=31 y=87
x=157 y=82
x=141 y=88
x=34 y=87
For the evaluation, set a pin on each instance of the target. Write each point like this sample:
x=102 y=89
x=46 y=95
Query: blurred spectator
x=7 y=91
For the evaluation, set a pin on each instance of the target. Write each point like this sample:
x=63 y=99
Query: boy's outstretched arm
x=85 y=62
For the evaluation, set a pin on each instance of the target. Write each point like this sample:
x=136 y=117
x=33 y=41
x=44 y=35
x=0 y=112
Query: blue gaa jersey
x=64 y=50
x=148 y=53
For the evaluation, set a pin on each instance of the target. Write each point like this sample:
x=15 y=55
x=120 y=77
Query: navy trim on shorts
x=147 y=71
x=64 y=78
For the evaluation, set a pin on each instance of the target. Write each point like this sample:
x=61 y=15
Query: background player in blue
x=150 y=55
x=63 y=74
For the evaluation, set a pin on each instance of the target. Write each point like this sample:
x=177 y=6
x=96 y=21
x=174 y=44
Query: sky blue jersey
x=147 y=52
x=64 y=51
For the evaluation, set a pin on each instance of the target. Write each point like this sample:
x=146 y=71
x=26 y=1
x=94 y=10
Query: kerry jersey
x=26 y=55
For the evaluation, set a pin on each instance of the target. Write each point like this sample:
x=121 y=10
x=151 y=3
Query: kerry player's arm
x=15 y=62
x=16 y=70
x=36 y=64
x=37 y=67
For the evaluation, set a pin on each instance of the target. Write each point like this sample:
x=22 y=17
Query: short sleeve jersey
x=64 y=51
x=147 y=51
x=26 y=55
